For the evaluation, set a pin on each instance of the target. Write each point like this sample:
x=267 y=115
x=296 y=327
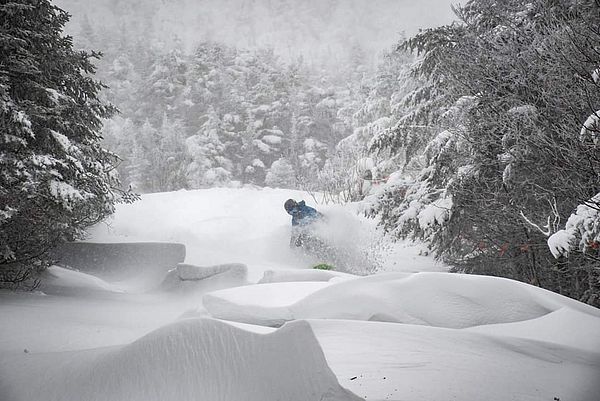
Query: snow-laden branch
x=591 y=128
x=545 y=231
x=552 y=223
x=582 y=230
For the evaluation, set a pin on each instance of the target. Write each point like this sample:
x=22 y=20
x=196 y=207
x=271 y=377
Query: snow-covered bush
x=346 y=176
x=281 y=175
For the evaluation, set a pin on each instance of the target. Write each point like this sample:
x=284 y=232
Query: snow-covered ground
x=247 y=319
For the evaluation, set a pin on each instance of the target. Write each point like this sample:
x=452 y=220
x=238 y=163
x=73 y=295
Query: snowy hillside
x=246 y=318
x=222 y=225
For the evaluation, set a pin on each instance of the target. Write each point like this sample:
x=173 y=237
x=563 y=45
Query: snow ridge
x=194 y=359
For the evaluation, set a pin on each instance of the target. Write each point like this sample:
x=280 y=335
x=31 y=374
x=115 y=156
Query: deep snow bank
x=446 y=336
x=433 y=299
x=563 y=326
x=280 y=276
x=57 y=280
x=388 y=361
x=262 y=304
x=188 y=278
x=195 y=359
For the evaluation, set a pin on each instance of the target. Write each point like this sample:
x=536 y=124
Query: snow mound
x=192 y=272
x=189 y=360
x=433 y=299
x=386 y=361
x=280 y=276
x=57 y=280
x=260 y=304
x=563 y=326
x=186 y=277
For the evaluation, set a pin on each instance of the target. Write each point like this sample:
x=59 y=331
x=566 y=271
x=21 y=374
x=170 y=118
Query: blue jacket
x=303 y=215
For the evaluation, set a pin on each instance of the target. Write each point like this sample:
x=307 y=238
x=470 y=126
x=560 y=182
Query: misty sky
x=315 y=29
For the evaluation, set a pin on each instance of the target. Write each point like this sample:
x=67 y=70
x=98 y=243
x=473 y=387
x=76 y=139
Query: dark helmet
x=289 y=205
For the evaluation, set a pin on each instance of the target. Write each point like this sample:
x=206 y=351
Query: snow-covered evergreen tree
x=55 y=178
x=505 y=93
x=281 y=175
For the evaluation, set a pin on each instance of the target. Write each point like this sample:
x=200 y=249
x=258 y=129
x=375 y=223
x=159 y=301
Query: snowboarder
x=302 y=218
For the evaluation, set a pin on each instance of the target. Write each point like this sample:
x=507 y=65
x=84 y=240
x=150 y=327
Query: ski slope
x=245 y=318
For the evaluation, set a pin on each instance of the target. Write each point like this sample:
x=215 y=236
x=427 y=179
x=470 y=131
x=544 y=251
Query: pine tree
x=281 y=175
x=507 y=91
x=55 y=178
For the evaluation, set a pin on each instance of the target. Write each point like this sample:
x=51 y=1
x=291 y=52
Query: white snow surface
x=275 y=276
x=58 y=280
x=191 y=278
x=186 y=361
x=460 y=301
x=205 y=332
x=263 y=304
x=391 y=361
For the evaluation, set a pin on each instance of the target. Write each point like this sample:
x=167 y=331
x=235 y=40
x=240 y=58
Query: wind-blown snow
x=263 y=304
x=199 y=279
x=195 y=359
x=565 y=326
x=420 y=363
x=58 y=280
x=217 y=226
x=432 y=299
x=250 y=226
x=443 y=336
x=278 y=276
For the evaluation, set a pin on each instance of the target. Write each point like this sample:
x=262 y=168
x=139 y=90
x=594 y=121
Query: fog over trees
x=221 y=92
x=324 y=32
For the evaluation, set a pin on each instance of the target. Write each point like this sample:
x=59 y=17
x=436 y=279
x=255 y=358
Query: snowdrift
x=279 y=276
x=57 y=280
x=260 y=304
x=195 y=359
x=433 y=299
x=388 y=361
x=436 y=336
x=187 y=278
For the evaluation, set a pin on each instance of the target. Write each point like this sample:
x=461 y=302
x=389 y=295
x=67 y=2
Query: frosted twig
x=546 y=232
